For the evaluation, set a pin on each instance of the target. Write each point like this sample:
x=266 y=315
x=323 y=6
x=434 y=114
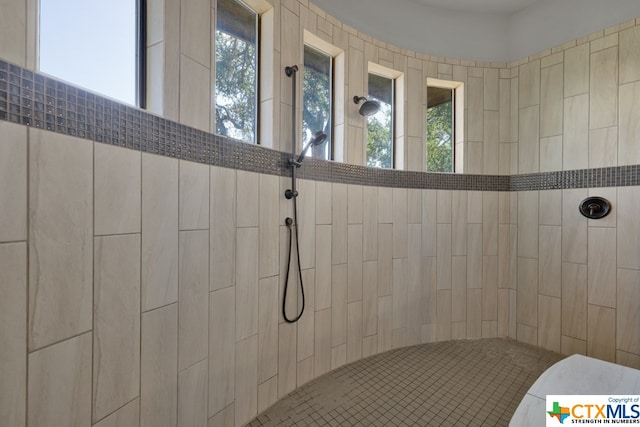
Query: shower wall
x=578 y=280
x=144 y=289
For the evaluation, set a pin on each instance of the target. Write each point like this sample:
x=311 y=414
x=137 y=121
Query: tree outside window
x=440 y=125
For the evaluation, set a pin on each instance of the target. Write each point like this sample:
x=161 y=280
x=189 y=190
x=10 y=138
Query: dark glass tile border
x=36 y=100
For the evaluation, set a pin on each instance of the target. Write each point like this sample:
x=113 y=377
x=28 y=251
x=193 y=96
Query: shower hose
x=291 y=224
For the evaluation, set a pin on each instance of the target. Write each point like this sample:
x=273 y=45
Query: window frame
x=140 y=53
x=330 y=134
x=257 y=87
x=457 y=125
x=393 y=142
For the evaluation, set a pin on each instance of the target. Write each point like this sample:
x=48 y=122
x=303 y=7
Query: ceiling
x=480 y=6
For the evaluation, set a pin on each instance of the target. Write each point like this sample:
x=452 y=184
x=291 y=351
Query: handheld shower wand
x=291 y=223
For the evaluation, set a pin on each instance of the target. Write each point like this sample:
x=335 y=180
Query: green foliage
x=379 y=138
x=316 y=109
x=235 y=87
x=440 y=138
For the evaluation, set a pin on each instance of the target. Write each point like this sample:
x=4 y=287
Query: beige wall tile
x=385 y=205
x=527 y=334
x=529 y=84
x=444 y=256
x=267 y=393
x=323 y=267
x=574 y=227
x=611 y=194
x=306 y=222
x=192 y=395
x=601 y=337
x=269 y=225
x=459 y=223
x=491 y=145
x=399 y=294
x=574 y=300
x=429 y=222
x=339 y=224
x=159 y=367
x=193 y=302
x=628 y=359
x=414 y=211
x=400 y=222
x=354 y=204
x=370 y=297
x=385 y=259
x=459 y=289
x=475 y=111
x=116 y=327
x=385 y=323
x=194 y=196
x=223 y=228
x=304 y=371
x=491 y=93
x=305 y=326
x=527 y=310
x=13 y=333
x=603 y=147
x=370 y=223
x=550 y=212
x=490 y=288
x=354 y=331
x=550 y=259
x=575 y=147
x=195 y=33
x=444 y=206
x=268 y=328
x=504 y=313
x=248 y=197
x=603 y=93
x=323 y=202
x=573 y=346
x=474 y=256
x=287 y=359
x=629 y=61
x=322 y=342
x=127 y=416
x=515 y=102
x=628 y=132
x=195 y=103
x=416 y=298
x=246 y=402
x=474 y=313
x=222 y=338
x=117 y=190
x=505 y=110
x=354 y=265
x=628 y=312
x=602 y=266
x=528 y=224
x=551 y=154
x=247 y=283
x=60 y=384
x=60 y=234
x=576 y=70
x=13 y=181
x=529 y=141
x=339 y=305
x=159 y=231
x=628 y=229
x=224 y=418
x=549 y=313
x=13 y=27
x=551 y=100
x=443 y=316
x=504 y=255
x=490 y=223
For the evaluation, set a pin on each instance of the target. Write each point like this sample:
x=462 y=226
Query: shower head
x=318 y=138
x=368 y=108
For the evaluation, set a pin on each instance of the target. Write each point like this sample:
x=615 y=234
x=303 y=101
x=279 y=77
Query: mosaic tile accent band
x=33 y=99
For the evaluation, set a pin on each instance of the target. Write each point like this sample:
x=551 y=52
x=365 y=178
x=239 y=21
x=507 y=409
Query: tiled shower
x=142 y=259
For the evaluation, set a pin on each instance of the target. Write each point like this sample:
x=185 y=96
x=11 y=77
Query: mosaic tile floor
x=452 y=383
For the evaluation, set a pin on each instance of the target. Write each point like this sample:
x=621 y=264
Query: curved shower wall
x=142 y=261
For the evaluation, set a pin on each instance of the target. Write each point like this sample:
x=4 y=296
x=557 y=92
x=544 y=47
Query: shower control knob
x=289 y=194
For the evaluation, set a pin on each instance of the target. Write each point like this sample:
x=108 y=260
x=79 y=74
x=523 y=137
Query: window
x=97 y=45
x=236 y=45
x=380 y=126
x=444 y=125
x=317 y=99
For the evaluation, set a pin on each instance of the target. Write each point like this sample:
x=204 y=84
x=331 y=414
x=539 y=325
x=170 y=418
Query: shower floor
x=466 y=382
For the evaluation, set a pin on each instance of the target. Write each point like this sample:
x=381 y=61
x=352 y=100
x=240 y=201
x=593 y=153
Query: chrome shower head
x=368 y=108
x=318 y=138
